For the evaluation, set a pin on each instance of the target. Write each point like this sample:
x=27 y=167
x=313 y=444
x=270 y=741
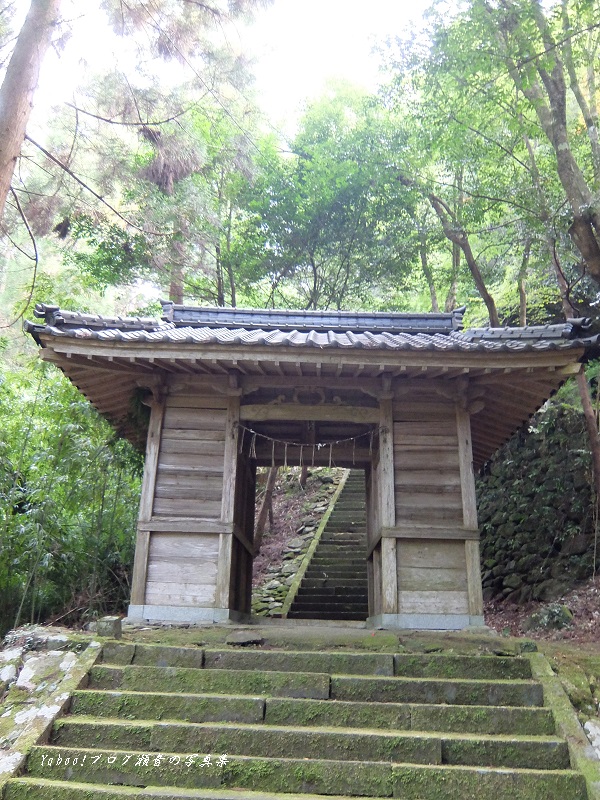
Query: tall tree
x=20 y=83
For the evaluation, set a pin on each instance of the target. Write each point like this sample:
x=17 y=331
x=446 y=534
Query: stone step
x=268 y=779
x=58 y=790
x=403 y=716
x=322 y=713
x=300 y=661
x=344 y=573
x=338 y=549
x=330 y=606
x=427 y=665
x=136 y=768
x=263 y=741
x=278 y=741
x=334 y=615
x=213 y=681
x=340 y=595
x=438 y=690
x=349 y=583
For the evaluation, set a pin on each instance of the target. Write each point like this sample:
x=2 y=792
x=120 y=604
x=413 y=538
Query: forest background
x=472 y=177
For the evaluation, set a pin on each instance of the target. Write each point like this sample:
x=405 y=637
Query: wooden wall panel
x=182 y=569
x=432 y=577
x=189 y=480
x=426 y=460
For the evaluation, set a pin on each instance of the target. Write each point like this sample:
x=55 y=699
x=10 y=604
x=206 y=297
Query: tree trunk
x=427 y=271
x=20 y=82
x=522 y=283
x=265 y=510
x=455 y=233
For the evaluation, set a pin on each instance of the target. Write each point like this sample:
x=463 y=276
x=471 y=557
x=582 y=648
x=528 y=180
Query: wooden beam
x=299 y=412
x=377 y=358
x=237 y=532
x=186 y=525
x=223 y=584
x=465 y=460
x=140 y=568
x=474 y=588
x=416 y=531
x=230 y=459
x=473 y=564
x=387 y=511
x=157 y=414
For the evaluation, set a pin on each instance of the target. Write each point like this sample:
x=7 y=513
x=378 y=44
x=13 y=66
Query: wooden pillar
x=223 y=587
x=140 y=563
x=469 y=503
x=387 y=517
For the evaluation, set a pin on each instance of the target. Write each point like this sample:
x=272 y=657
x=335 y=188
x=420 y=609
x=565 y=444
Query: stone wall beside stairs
x=535 y=510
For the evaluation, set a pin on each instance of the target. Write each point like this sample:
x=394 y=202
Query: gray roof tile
x=392 y=331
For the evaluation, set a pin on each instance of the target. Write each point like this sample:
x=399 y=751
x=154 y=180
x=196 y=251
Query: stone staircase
x=335 y=583
x=230 y=724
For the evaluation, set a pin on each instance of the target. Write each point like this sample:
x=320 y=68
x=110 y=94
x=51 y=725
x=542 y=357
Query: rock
x=244 y=639
x=513 y=581
x=110 y=627
x=289 y=580
x=272 y=585
x=528 y=646
x=326 y=479
x=553 y=617
x=296 y=543
x=289 y=569
x=550 y=589
x=577 y=545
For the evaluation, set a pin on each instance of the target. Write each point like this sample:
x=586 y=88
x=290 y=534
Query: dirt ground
x=583 y=602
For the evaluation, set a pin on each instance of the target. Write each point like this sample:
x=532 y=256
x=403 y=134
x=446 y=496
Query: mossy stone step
x=334 y=591
x=325 y=615
x=324 y=598
x=265 y=741
x=333 y=572
x=491 y=720
x=454 y=666
x=348 y=583
x=331 y=606
x=473 y=783
x=322 y=713
x=456 y=691
x=277 y=775
x=354 y=778
x=301 y=661
x=168 y=705
x=27 y=788
x=214 y=681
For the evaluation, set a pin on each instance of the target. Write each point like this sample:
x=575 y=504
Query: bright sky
x=298 y=45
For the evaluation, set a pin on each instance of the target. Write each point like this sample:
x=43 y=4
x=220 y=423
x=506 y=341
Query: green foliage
x=68 y=503
x=112 y=255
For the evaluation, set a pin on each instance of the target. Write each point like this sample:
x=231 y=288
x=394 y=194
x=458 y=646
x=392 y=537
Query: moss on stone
x=318 y=777
x=442 y=783
x=330 y=662
x=457 y=666
x=157 y=706
x=430 y=690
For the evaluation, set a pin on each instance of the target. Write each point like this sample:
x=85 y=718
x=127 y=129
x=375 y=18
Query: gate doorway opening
x=311 y=561
x=331 y=580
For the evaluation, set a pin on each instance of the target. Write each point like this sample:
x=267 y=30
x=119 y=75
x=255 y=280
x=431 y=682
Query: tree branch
x=131 y=124
x=89 y=189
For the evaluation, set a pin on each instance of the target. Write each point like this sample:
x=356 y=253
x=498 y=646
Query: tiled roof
x=342 y=330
